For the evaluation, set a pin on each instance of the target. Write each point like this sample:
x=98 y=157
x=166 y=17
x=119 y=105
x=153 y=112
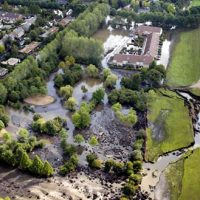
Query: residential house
x=11 y=61
x=149 y=51
x=30 y=48
x=3 y=71
x=10 y=17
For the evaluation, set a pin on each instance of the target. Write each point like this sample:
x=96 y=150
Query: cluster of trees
x=25 y=80
x=50 y=127
x=4 y=117
x=129 y=119
x=130 y=170
x=124 y=96
x=72 y=73
x=69 y=151
x=89 y=21
x=109 y=78
x=15 y=153
x=40 y=4
x=81 y=118
x=83 y=49
x=148 y=77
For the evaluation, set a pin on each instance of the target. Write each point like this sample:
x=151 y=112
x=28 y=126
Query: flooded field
x=115 y=140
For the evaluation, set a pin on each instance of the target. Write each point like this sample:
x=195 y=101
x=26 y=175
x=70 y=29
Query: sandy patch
x=39 y=100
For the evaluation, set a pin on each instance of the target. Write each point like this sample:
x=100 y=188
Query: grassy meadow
x=184 y=178
x=170 y=126
x=184 y=67
x=195 y=3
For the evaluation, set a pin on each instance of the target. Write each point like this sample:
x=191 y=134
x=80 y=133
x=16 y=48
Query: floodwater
x=167 y=47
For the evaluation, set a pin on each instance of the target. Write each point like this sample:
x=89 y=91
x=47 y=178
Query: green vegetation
x=129 y=119
x=195 y=91
x=6 y=198
x=50 y=127
x=93 y=141
x=183 y=177
x=150 y=77
x=170 y=126
x=14 y=153
x=195 y=3
x=81 y=118
x=184 y=68
x=124 y=96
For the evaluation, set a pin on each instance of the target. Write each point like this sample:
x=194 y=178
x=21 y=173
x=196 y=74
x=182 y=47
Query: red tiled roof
x=143 y=30
x=133 y=59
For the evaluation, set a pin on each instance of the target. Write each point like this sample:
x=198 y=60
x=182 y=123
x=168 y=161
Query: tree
x=92 y=71
x=98 y=95
x=79 y=138
x=25 y=161
x=66 y=91
x=23 y=133
x=110 y=81
x=81 y=118
x=3 y=93
x=1 y=125
x=47 y=169
x=71 y=103
x=106 y=73
x=37 y=166
x=93 y=141
x=2 y=48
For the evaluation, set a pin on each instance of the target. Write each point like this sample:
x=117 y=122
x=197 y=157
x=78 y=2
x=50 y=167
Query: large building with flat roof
x=150 y=48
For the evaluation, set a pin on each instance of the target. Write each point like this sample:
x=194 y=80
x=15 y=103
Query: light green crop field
x=195 y=2
x=184 y=177
x=170 y=126
x=184 y=67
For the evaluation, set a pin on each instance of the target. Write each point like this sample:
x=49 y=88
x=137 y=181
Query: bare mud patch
x=39 y=100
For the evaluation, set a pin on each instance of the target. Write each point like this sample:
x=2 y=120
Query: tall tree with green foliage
x=47 y=169
x=25 y=161
x=37 y=166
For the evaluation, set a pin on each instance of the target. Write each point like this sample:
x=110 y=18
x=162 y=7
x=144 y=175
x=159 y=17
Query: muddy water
x=167 y=47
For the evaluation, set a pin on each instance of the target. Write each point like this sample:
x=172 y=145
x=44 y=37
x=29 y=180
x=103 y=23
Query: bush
x=1 y=125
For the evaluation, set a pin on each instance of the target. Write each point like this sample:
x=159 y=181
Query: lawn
x=195 y=3
x=170 y=126
x=184 y=177
x=184 y=67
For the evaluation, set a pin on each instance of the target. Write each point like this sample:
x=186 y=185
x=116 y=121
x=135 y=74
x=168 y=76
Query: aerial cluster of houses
x=149 y=50
x=18 y=32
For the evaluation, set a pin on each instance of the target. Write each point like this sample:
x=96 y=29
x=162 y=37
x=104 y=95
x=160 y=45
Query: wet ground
x=115 y=141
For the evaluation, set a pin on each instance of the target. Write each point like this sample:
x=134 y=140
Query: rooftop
x=133 y=59
x=11 y=61
x=30 y=47
x=144 y=30
x=65 y=21
x=10 y=15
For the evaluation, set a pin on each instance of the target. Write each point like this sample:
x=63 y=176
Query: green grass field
x=170 y=126
x=184 y=67
x=195 y=3
x=184 y=177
